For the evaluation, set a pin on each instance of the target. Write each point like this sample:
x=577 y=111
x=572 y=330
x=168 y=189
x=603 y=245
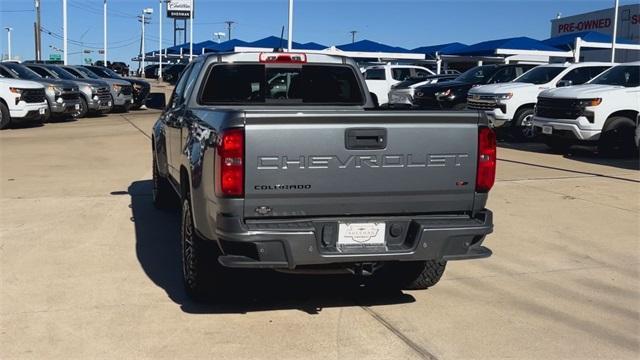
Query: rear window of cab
x=254 y=84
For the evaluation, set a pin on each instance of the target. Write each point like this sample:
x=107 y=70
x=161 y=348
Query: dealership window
x=401 y=74
x=375 y=74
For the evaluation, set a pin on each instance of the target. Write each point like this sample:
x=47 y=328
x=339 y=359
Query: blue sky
x=401 y=23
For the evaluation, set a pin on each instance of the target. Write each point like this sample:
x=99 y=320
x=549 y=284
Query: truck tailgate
x=359 y=163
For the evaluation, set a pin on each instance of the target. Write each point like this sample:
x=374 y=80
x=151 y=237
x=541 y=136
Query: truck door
x=174 y=121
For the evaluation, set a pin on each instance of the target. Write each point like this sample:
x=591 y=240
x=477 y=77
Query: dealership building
x=602 y=21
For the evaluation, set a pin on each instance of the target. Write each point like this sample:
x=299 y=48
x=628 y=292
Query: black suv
x=453 y=94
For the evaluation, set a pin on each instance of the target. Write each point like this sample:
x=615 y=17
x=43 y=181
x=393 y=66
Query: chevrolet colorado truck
x=316 y=180
x=601 y=112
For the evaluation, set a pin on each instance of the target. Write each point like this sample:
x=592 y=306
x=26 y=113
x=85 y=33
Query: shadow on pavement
x=158 y=251
x=580 y=153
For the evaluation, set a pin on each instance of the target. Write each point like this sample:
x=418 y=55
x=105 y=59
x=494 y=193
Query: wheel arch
x=629 y=114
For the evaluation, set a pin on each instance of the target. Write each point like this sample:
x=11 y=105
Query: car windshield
x=623 y=75
x=540 y=75
x=112 y=74
x=304 y=85
x=23 y=72
x=102 y=72
x=477 y=75
x=60 y=73
x=84 y=72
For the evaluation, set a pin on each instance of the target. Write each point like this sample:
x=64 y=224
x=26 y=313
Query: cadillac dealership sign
x=180 y=9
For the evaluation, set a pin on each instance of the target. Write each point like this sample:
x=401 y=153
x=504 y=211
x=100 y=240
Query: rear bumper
x=286 y=245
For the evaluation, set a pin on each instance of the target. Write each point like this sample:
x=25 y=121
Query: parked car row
x=38 y=92
x=564 y=104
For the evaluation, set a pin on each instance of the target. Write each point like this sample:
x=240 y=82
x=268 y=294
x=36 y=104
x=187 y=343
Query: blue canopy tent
x=371 y=46
x=443 y=49
x=509 y=46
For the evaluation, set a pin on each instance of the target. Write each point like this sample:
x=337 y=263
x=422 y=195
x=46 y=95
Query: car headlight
x=117 y=87
x=87 y=89
x=419 y=94
x=16 y=90
x=590 y=102
x=505 y=96
x=56 y=90
x=443 y=93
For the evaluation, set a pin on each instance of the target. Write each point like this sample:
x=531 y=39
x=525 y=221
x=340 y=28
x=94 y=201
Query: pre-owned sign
x=180 y=9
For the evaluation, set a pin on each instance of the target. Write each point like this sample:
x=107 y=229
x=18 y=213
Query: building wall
x=602 y=21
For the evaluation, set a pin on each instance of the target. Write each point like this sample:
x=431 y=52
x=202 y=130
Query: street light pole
x=290 y=36
x=615 y=31
x=160 y=16
x=191 y=32
x=105 y=33
x=9 y=29
x=143 y=21
x=64 y=31
x=353 y=36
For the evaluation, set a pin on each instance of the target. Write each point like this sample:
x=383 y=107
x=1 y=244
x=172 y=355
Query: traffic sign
x=55 y=57
x=88 y=61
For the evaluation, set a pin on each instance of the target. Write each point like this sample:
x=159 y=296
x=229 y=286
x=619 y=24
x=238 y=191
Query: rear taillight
x=486 y=175
x=230 y=164
x=283 y=58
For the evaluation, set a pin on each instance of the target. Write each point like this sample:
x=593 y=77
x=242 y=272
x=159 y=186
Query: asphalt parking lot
x=89 y=269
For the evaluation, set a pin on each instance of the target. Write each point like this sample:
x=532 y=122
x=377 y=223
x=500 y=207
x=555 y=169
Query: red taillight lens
x=283 y=58
x=230 y=164
x=486 y=175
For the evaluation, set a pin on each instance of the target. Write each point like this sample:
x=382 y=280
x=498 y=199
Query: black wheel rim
x=188 y=251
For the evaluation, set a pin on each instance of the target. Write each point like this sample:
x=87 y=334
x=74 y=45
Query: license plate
x=77 y=106
x=547 y=130
x=361 y=234
x=43 y=111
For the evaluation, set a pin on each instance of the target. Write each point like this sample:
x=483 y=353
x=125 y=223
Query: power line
x=15 y=11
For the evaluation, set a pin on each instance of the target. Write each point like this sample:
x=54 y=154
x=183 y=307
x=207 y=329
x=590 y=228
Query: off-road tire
x=556 y=144
x=5 y=116
x=162 y=193
x=617 y=138
x=523 y=129
x=412 y=275
x=203 y=277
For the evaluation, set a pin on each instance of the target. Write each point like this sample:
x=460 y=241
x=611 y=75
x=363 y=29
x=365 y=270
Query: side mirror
x=156 y=101
x=563 y=83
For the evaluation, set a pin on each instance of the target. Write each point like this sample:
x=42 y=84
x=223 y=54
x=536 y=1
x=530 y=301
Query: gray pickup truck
x=309 y=177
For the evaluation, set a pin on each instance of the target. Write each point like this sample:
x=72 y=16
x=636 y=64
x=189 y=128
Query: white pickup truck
x=21 y=100
x=602 y=111
x=380 y=78
x=511 y=104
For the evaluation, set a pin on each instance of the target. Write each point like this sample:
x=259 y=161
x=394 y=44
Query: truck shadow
x=158 y=251
x=585 y=154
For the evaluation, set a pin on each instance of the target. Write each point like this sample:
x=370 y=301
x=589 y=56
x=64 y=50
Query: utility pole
x=38 y=33
x=353 y=35
x=615 y=31
x=191 y=31
x=290 y=36
x=104 y=35
x=143 y=21
x=229 y=23
x=9 y=29
x=64 y=31
x=160 y=17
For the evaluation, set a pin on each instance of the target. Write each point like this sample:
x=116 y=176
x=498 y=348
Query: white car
x=380 y=78
x=603 y=111
x=511 y=104
x=21 y=100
